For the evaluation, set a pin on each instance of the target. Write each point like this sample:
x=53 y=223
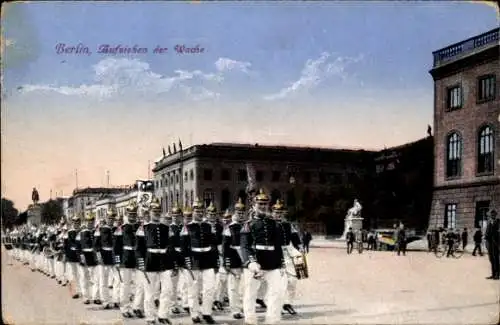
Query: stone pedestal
x=34 y=214
x=356 y=223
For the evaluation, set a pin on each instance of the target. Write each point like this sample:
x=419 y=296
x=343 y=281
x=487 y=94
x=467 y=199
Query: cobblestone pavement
x=368 y=288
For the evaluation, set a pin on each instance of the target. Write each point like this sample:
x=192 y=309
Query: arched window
x=454 y=155
x=485 y=149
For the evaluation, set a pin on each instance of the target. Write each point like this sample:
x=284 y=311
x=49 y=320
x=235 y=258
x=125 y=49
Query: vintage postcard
x=250 y=162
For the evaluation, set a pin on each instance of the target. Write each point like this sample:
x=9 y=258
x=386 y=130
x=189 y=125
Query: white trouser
x=139 y=281
x=234 y=287
x=290 y=282
x=72 y=269
x=115 y=293
x=182 y=287
x=111 y=279
x=274 y=297
x=89 y=282
x=166 y=294
x=59 y=270
x=125 y=290
x=206 y=278
x=51 y=266
x=104 y=275
x=220 y=284
x=261 y=293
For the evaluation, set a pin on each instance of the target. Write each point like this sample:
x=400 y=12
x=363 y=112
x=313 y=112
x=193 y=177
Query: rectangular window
x=276 y=176
x=450 y=218
x=307 y=177
x=225 y=174
x=486 y=87
x=259 y=176
x=185 y=176
x=242 y=175
x=191 y=175
x=453 y=98
x=207 y=174
x=482 y=208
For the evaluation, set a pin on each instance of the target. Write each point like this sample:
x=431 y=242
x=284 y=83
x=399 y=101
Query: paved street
x=371 y=288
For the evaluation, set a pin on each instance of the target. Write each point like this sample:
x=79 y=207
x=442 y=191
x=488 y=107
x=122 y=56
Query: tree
x=51 y=211
x=9 y=213
x=22 y=218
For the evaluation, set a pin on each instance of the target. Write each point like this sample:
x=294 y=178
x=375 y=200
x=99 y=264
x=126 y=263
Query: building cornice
x=468 y=184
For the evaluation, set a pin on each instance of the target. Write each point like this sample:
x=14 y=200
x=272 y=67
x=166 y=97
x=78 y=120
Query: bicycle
x=442 y=249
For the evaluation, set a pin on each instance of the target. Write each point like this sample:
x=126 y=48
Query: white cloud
x=119 y=76
x=315 y=72
x=226 y=64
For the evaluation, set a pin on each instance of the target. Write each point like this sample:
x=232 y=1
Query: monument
x=353 y=219
x=35 y=210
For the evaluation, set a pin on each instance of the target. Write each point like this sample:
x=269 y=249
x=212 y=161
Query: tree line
x=51 y=213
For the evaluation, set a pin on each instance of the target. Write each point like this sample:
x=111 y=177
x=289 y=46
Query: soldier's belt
x=107 y=248
x=201 y=249
x=157 y=250
x=88 y=250
x=177 y=249
x=235 y=247
x=128 y=248
x=264 y=248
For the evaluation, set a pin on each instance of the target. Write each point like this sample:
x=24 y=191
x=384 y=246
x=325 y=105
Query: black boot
x=196 y=320
x=76 y=296
x=127 y=315
x=187 y=310
x=164 y=321
x=157 y=303
x=208 y=319
x=138 y=313
x=288 y=308
x=175 y=311
x=218 y=305
x=261 y=303
x=97 y=302
x=86 y=302
x=108 y=306
x=238 y=316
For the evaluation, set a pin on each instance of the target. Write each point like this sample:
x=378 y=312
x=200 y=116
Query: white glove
x=254 y=267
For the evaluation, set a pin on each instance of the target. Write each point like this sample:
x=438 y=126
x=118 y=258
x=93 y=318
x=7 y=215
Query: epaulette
x=118 y=231
x=140 y=231
x=246 y=227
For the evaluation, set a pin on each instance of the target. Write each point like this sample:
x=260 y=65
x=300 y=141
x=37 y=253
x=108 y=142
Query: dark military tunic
x=51 y=242
x=70 y=245
x=261 y=241
x=231 y=245
x=86 y=247
x=8 y=242
x=290 y=235
x=153 y=247
x=175 y=240
x=59 y=248
x=199 y=245
x=103 y=244
x=125 y=245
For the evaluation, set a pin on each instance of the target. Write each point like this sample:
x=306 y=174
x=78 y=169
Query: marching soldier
x=292 y=248
x=198 y=246
x=262 y=259
x=125 y=257
x=50 y=259
x=71 y=247
x=175 y=228
x=89 y=284
x=221 y=274
x=232 y=260
x=103 y=244
x=185 y=277
x=115 y=268
x=59 y=263
x=157 y=264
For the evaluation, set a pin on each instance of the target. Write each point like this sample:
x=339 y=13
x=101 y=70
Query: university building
x=217 y=172
x=466 y=126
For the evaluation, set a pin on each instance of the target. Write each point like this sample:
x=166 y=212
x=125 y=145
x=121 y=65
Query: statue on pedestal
x=34 y=196
x=353 y=219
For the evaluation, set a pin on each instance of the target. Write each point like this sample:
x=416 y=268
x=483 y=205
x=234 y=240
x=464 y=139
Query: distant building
x=217 y=172
x=466 y=127
x=84 y=199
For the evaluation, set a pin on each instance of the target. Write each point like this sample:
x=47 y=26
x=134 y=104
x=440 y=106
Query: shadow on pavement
x=318 y=313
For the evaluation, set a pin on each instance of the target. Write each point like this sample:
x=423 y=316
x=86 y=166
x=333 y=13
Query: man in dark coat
x=306 y=240
x=401 y=240
x=465 y=238
x=478 y=239
x=492 y=239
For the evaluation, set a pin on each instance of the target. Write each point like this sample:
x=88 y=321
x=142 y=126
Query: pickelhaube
x=262 y=197
x=132 y=208
x=239 y=205
x=211 y=208
x=176 y=209
x=278 y=206
x=90 y=216
x=156 y=205
x=187 y=211
x=197 y=205
x=111 y=213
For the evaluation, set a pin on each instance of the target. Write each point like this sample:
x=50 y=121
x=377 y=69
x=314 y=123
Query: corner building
x=466 y=132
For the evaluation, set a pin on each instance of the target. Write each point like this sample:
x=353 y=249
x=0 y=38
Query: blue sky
x=342 y=74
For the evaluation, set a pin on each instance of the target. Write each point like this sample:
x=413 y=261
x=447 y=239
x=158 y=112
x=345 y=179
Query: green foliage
x=9 y=213
x=51 y=211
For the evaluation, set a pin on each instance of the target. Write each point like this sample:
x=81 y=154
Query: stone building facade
x=466 y=127
x=217 y=172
